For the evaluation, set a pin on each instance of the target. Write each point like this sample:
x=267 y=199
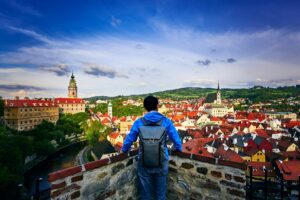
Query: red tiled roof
x=119 y=144
x=292 y=124
x=291 y=155
x=261 y=133
x=228 y=155
x=177 y=125
x=29 y=103
x=289 y=169
x=123 y=119
x=258 y=168
x=105 y=121
x=215 y=119
x=68 y=100
x=114 y=135
x=196 y=146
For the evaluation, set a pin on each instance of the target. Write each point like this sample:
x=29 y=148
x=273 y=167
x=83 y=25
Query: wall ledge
x=99 y=163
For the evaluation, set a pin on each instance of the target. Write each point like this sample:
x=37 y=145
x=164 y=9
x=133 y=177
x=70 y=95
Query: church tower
x=110 y=110
x=219 y=100
x=72 y=89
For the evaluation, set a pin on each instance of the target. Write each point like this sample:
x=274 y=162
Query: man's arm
x=130 y=138
x=174 y=135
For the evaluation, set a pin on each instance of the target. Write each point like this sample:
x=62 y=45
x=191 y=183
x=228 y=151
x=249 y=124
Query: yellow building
x=25 y=114
x=125 y=127
x=256 y=155
x=72 y=104
x=292 y=147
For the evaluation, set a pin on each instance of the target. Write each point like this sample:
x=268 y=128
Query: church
x=72 y=104
x=213 y=104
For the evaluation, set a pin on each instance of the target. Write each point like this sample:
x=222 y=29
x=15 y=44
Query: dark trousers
x=152 y=181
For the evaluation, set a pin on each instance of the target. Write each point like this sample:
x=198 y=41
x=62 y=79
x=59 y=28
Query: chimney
x=26 y=98
x=226 y=147
x=17 y=97
x=234 y=140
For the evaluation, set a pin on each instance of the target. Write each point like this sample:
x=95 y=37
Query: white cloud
x=165 y=62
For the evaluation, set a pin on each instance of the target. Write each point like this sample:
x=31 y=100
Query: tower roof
x=72 y=81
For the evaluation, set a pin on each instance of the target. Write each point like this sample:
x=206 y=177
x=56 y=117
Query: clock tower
x=72 y=89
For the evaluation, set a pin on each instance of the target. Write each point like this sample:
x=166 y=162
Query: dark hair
x=150 y=103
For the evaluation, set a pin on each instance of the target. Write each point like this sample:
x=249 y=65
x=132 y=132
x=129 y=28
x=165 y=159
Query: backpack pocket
x=152 y=159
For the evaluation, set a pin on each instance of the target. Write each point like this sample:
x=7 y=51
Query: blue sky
x=131 y=47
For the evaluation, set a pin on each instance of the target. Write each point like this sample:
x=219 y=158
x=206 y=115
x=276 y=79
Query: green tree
x=93 y=132
x=44 y=148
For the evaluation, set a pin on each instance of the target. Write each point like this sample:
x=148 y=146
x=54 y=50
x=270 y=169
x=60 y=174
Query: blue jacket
x=153 y=117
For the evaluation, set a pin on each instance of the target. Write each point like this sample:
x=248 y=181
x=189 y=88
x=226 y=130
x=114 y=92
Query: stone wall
x=190 y=177
x=202 y=178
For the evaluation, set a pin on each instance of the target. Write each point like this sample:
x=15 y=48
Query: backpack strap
x=159 y=123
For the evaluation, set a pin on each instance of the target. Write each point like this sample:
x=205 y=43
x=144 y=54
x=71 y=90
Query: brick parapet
x=112 y=177
x=99 y=163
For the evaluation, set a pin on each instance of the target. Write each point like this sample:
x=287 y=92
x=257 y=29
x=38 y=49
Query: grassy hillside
x=254 y=94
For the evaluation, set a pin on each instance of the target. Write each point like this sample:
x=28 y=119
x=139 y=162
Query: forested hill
x=257 y=93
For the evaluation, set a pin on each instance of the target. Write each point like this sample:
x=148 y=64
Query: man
x=152 y=180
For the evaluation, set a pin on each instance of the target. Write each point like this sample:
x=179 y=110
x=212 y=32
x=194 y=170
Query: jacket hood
x=153 y=116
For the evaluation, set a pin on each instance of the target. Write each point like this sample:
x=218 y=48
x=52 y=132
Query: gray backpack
x=152 y=142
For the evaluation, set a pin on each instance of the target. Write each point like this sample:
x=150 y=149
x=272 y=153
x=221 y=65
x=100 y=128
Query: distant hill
x=255 y=94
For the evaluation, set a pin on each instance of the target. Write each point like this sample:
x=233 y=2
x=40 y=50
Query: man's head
x=151 y=103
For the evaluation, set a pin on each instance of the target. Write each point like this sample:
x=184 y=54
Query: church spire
x=72 y=89
x=219 y=100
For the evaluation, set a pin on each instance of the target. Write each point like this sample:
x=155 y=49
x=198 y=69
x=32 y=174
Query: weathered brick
x=101 y=175
x=58 y=185
x=195 y=196
x=115 y=169
x=187 y=166
x=75 y=195
x=230 y=184
x=216 y=174
x=172 y=162
x=130 y=162
x=228 y=176
x=202 y=170
x=212 y=185
x=63 y=173
x=106 y=194
x=239 y=179
x=96 y=164
x=76 y=178
x=65 y=190
x=171 y=169
x=235 y=192
x=210 y=198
